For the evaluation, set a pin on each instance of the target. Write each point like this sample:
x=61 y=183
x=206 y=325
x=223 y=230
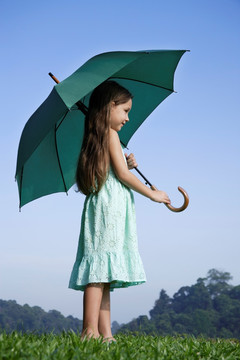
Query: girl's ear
x=112 y=104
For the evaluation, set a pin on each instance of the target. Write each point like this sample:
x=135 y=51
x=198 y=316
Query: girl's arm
x=126 y=177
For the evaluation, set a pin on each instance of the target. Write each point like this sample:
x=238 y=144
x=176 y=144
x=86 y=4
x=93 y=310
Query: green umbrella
x=51 y=139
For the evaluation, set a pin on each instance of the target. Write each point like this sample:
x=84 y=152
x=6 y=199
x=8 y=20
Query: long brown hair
x=93 y=162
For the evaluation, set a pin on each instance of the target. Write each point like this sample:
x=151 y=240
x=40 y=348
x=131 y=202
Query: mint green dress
x=108 y=248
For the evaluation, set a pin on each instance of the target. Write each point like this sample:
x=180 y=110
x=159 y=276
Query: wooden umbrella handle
x=185 y=204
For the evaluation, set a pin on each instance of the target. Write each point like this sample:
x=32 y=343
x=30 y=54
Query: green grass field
x=69 y=346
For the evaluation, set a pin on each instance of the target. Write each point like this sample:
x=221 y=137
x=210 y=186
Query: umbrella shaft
x=147 y=182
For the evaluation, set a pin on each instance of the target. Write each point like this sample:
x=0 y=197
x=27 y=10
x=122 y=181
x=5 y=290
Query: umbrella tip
x=53 y=77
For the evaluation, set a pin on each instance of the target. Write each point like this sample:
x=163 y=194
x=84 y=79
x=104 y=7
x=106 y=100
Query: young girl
x=107 y=255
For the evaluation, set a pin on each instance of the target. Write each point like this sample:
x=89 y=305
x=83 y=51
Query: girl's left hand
x=131 y=161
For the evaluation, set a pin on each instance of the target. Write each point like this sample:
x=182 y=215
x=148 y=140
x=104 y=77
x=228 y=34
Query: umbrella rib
x=59 y=163
x=145 y=82
x=57 y=126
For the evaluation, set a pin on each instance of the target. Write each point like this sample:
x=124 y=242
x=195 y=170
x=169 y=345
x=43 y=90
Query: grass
x=68 y=346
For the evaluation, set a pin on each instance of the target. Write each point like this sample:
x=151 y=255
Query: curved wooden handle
x=185 y=204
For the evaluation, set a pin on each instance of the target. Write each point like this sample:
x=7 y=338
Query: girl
x=107 y=255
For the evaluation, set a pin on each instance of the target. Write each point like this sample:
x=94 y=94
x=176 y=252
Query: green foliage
x=68 y=346
x=25 y=318
x=210 y=308
x=217 y=282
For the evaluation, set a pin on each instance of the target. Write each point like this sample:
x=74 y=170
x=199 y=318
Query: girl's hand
x=159 y=196
x=131 y=161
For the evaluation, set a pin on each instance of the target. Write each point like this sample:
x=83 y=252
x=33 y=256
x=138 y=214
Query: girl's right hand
x=159 y=196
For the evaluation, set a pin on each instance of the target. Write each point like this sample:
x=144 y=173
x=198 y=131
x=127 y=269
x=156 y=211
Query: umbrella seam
x=59 y=163
x=58 y=125
x=143 y=82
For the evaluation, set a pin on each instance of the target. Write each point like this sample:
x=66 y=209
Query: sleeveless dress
x=108 y=248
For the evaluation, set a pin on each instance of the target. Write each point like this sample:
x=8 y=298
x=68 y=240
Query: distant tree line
x=34 y=319
x=211 y=308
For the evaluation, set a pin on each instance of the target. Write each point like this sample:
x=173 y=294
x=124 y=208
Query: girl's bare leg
x=91 y=308
x=104 y=321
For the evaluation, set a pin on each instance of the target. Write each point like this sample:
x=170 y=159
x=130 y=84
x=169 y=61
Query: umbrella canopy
x=51 y=139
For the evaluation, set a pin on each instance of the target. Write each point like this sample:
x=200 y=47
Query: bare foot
x=109 y=339
x=89 y=335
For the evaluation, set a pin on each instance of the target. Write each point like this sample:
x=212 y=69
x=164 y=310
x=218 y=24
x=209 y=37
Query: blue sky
x=191 y=140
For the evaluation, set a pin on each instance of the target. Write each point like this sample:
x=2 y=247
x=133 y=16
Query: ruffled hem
x=115 y=284
x=107 y=268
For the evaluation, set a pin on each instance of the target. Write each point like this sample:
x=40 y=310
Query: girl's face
x=119 y=115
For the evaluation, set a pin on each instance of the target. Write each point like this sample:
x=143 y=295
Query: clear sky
x=191 y=140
